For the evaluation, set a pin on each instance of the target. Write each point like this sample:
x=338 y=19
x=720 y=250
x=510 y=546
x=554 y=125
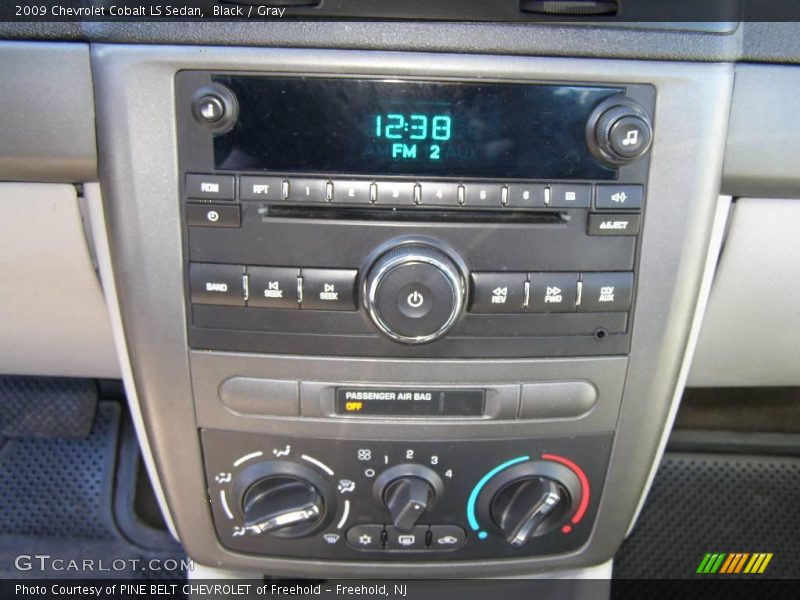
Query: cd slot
x=394 y=214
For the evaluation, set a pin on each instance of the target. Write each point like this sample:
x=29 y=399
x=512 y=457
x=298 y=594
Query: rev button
x=498 y=292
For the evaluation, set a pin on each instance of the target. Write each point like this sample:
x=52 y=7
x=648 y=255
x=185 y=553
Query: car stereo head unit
x=398 y=217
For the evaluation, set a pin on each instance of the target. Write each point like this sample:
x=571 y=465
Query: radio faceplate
x=280 y=250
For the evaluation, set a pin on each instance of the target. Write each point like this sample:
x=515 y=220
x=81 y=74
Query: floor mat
x=716 y=503
x=57 y=499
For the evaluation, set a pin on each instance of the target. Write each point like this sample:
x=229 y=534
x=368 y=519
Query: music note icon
x=632 y=138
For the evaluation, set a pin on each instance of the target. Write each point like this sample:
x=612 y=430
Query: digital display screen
x=397 y=127
x=409 y=402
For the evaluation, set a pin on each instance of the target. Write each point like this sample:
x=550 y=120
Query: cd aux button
x=606 y=292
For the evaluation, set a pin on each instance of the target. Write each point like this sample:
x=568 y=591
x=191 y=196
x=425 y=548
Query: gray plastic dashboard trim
x=48 y=129
x=762 y=153
x=135 y=106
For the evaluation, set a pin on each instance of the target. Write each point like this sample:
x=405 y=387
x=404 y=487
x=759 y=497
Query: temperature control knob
x=619 y=131
x=530 y=500
x=407 y=491
x=282 y=499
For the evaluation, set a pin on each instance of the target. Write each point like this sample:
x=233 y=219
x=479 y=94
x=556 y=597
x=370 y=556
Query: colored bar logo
x=734 y=563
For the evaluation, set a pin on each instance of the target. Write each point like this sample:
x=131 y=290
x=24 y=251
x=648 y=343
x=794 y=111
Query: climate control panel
x=389 y=500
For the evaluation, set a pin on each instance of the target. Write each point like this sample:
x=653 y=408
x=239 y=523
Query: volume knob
x=414 y=293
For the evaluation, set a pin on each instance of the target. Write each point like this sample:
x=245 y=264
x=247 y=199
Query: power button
x=415 y=301
x=414 y=293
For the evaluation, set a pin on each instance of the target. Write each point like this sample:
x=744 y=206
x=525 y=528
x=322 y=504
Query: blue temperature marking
x=473 y=497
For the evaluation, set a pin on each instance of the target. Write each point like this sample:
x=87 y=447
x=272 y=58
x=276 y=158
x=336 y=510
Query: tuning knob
x=282 y=499
x=530 y=500
x=407 y=491
x=414 y=293
x=619 y=131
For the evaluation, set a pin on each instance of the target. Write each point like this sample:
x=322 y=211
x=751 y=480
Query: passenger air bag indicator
x=416 y=402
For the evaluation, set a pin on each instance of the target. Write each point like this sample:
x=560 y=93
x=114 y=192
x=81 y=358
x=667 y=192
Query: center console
x=422 y=314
